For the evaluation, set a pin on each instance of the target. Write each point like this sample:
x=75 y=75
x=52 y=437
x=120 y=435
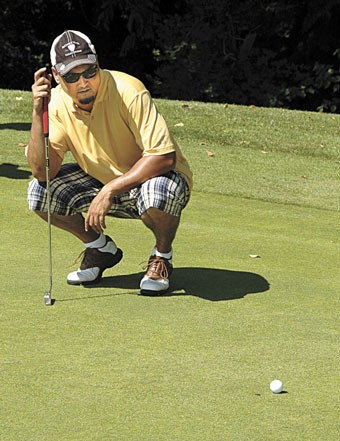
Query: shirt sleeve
x=149 y=127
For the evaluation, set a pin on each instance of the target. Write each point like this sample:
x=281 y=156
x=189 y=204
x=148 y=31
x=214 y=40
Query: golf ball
x=276 y=386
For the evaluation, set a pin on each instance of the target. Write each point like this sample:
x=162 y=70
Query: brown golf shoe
x=156 y=279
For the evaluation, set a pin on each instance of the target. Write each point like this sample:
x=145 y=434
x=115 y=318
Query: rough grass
x=269 y=154
x=106 y=364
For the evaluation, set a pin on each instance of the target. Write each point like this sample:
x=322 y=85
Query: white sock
x=98 y=243
x=167 y=256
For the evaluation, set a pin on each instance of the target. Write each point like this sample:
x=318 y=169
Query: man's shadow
x=21 y=126
x=207 y=283
x=12 y=171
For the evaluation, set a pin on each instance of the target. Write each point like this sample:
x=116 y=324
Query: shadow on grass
x=207 y=283
x=12 y=171
x=16 y=126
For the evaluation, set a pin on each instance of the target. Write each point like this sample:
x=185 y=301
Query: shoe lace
x=158 y=267
x=79 y=258
x=83 y=256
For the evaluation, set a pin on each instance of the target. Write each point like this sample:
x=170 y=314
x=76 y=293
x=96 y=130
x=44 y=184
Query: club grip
x=45 y=114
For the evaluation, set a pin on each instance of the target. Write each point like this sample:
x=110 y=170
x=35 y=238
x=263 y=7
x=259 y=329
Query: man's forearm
x=36 y=148
x=144 y=169
x=36 y=155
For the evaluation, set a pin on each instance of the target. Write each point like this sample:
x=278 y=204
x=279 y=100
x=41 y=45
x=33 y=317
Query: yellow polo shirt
x=124 y=126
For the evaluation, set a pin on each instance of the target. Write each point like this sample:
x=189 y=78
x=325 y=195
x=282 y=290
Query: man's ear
x=55 y=75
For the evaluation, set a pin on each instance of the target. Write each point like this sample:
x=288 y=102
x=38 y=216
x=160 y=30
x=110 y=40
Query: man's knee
x=168 y=194
x=161 y=215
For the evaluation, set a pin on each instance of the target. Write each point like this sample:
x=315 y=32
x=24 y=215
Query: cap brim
x=90 y=59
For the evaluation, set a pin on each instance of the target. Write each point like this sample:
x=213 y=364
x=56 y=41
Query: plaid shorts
x=72 y=191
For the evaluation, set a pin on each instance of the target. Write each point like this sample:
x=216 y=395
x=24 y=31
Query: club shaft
x=48 y=194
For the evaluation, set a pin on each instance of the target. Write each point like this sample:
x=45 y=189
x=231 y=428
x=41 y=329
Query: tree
x=265 y=52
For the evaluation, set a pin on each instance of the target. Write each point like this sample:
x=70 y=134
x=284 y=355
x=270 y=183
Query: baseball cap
x=71 y=49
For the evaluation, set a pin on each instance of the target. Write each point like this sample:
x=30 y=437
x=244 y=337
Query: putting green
x=105 y=363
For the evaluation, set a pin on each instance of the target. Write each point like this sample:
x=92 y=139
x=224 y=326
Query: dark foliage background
x=267 y=53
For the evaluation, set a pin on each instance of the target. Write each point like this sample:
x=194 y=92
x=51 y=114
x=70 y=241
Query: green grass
x=107 y=364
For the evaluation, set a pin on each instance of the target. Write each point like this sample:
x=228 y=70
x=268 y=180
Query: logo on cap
x=71 y=47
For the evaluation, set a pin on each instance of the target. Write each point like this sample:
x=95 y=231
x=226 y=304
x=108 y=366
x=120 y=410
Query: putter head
x=47 y=299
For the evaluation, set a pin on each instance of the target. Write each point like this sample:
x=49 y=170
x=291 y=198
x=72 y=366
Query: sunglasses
x=89 y=73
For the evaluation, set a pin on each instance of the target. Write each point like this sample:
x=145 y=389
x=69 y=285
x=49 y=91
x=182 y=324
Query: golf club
x=47 y=295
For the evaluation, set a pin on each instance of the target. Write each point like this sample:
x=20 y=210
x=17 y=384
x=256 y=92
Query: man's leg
x=72 y=192
x=157 y=202
x=161 y=201
x=100 y=250
x=163 y=226
x=73 y=224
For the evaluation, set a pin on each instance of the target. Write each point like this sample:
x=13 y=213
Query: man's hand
x=145 y=168
x=99 y=208
x=41 y=88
